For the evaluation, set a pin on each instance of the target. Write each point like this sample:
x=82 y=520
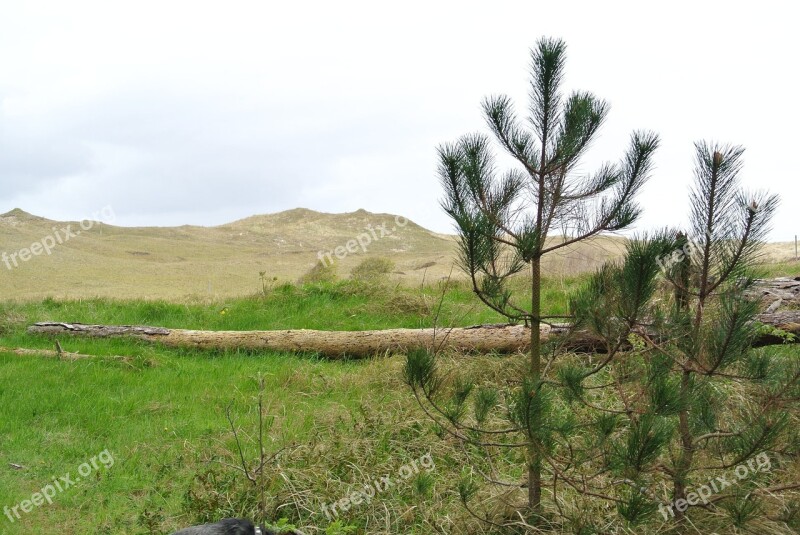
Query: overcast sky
x=176 y=112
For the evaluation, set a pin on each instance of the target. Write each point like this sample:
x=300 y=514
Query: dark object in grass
x=231 y=526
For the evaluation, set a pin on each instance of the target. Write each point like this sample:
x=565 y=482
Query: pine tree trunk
x=687 y=446
x=534 y=448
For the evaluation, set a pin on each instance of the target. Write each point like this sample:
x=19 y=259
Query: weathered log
x=50 y=353
x=786 y=320
x=502 y=339
x=335 y=344
x=784 y=288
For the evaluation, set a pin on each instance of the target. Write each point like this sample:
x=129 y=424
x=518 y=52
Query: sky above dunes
x=176 y=112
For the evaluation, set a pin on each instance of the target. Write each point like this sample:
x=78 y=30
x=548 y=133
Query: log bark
x=786 y=289
x=337 y=344
x=50 y=353
x=332 y=344
x=774 y=294
x=786 y=320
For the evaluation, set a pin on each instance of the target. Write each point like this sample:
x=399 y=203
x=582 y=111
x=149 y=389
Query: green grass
x=150 y=414
x=344 y=305
x=161 y=413
x=788 y=268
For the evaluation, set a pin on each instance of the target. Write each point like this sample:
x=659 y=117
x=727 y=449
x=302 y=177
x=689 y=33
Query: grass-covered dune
x=211 y=263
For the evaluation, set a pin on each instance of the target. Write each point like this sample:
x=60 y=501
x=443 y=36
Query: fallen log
x=334 y=344
x=50 y=353
x=787 y=321
x=337 y=344
x=787 y=289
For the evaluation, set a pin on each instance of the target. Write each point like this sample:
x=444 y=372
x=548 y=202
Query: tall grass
x=161 y=413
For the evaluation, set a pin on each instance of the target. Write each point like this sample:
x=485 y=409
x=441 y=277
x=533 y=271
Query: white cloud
x=210 y=110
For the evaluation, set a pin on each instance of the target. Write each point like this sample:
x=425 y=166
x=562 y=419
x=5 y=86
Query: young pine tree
x=504 y=220
x=696 y=417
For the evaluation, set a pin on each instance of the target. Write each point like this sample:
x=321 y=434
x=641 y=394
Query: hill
x=214 y=262
x=192 y=261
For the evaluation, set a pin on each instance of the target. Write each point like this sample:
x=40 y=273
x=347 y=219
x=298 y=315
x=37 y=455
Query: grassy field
x=146 y=428
x=161 y=414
